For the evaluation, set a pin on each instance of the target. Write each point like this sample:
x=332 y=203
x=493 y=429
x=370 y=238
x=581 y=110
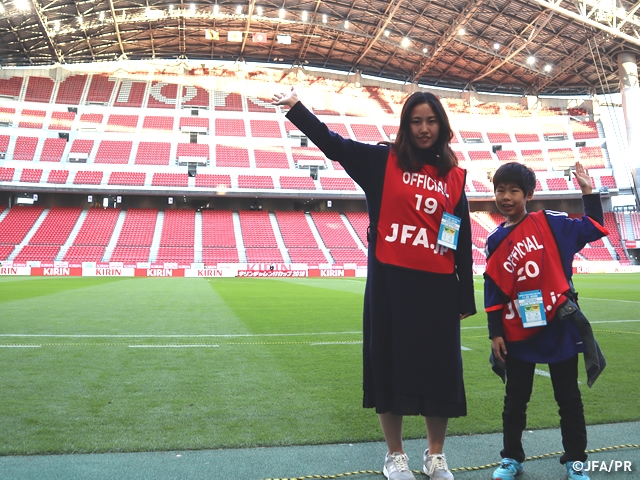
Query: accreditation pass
x=532 y=309
x=449 y=230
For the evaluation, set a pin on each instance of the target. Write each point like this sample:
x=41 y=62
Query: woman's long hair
x=406 y=152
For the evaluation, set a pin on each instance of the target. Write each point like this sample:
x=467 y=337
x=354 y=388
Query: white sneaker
x=396 y=467
x=435 y=466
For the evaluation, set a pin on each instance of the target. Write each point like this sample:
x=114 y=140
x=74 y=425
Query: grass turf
x=135 y=364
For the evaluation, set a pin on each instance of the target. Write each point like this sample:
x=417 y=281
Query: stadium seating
x=18 y=222
x=170 y=180
x=295 y=230
x=360 y=223
x=271 y=157
x=127 y=178
x=52 y=149
x=122 y=123
x=255 y=181
x=162 y=95
x=217 y=229
x=310 y=256
x=39 y=89
x=329 y=183
x=31 y=175
x=154 y=153
x=56 y=226
x=136 y=235
x=32 y=119
x=333 y=231
x=62 y=121
x=264 y=128
x=58 y=176
x=25 y=148
x=100 y=89
x=84 y=177
x=208 y=180
x=297 y=183
x=10 y=87
x=97 y=228
x=227 y=156
x=130 y=94
x=157 y=124
x=114 y=152
x=257 y=231
x=230 y=127
x=70 y=90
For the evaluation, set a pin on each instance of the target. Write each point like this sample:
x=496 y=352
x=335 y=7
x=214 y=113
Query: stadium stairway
x=316 y=235
x=197 y=238
x=470 y=457
x=237 y=230
x=157 y=236
x=29 y=234
x=279 y=240
x=72 y=235
x=114 y=236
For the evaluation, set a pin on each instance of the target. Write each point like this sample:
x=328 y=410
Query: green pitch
x=135 y=364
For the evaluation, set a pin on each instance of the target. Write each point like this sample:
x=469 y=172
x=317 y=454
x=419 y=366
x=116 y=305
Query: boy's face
x=512 y=201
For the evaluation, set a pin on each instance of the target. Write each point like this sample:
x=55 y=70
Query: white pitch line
x=20 y=346
x=173 y=346
x=231 y=335
x=542 y=373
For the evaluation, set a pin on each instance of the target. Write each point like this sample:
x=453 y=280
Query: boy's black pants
x=564 y=378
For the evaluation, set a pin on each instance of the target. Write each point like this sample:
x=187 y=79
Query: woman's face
x=424 y=126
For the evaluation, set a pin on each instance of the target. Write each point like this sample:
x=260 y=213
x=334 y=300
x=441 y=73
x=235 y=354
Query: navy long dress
x=412 y=360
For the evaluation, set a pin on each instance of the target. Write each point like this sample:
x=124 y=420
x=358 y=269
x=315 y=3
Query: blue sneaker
x=575 y=472
x=508 y=470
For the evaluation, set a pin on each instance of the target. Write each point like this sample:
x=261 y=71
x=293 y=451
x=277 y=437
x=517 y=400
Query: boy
x=531 y=312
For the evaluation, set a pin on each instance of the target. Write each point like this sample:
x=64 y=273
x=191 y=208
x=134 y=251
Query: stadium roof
x=506 y=47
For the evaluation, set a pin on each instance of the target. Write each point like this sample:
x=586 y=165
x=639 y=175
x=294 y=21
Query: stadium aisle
x=467 y=455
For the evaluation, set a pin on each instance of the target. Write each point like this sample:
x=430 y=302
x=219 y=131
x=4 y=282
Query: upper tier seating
x=162 y=95
x=227 y=156
x=255 y=181
x=208 y=180
x=25 y=148
x=39 y=89
x=264 y=128
x=52 y=149
x=157 y=124
x=226 y=101
x=170 y=180
x=11 y=87
x=130 y=94
x=62 y=121
x=367 y=133
x=297 y=183
x=84 y=177
x=127 y=178
x=70 y=90
x=329 y=183
x=32 y=118
x=230 y=127
x=153 y=153
x=584 y=130
x=194 y=96
x=122 y=123
x=114 y=152
x=58 y=176
x=100 y=89
x=270 y=157
x=31 y=175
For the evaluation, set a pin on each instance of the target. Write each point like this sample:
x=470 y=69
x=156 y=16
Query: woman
x=419 y=282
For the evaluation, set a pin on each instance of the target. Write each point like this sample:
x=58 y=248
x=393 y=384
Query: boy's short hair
x=516 y=173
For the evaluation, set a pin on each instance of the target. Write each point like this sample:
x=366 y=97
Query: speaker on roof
x=313 y=172
x=72 y=109
x=495 y=148
x=581 y=144
x=192 y=169
x=63 y=135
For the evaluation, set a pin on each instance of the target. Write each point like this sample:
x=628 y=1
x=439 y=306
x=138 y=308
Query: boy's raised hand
x=287 y=98
x=583 y=179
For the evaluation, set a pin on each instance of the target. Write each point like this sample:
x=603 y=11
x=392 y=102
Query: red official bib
x=528 y=259
x=410 y=216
